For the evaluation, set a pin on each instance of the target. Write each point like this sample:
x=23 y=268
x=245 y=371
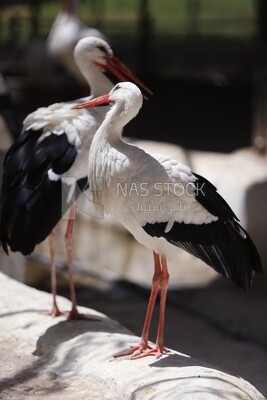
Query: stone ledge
x=59 y=359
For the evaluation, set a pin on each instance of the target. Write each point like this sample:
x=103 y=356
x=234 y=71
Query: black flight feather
x=223 y=244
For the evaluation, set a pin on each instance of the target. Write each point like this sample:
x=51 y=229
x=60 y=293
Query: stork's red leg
x=159 y=349
x=74 y=313
x=55 y=312
x=143 y=345
x=164 y=290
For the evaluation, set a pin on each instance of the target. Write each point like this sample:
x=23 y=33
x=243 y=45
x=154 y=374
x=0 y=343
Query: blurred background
x=206 y=61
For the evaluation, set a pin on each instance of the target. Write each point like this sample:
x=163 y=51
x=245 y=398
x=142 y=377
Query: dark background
x=204 y=60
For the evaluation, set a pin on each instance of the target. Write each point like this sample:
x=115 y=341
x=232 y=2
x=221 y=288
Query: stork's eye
x=116 y=88
x=103 y=49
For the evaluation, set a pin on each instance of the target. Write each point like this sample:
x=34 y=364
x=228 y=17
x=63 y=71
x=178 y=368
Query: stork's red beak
x=98 y=101
x=123 y=73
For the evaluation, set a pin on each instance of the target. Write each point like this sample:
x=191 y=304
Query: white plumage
x=136 y=182
x=164 y=205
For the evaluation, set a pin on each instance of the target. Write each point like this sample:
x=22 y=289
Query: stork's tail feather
x=245 y=260
x=233 y=254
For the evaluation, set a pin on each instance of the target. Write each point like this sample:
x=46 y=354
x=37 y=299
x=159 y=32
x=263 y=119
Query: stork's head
x=92 y=51
x=125 y=97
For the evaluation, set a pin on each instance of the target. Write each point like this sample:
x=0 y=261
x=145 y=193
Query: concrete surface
x=218 y=323
x=54 y=358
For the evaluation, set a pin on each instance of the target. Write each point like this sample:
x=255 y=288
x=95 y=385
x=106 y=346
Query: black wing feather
x=210 y=199
x=223 y=244
x=31 y=204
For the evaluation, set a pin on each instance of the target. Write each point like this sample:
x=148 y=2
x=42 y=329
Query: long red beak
x=98 y=101
x=123 y=73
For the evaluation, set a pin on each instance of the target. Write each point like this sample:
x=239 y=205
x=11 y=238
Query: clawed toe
x=143 y=350
x=55 y=312
x=157 y=352
x=133 y=350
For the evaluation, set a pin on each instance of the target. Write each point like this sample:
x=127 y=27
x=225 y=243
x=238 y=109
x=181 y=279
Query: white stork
x=165 y=206
x=54 y=144
x=65 y=33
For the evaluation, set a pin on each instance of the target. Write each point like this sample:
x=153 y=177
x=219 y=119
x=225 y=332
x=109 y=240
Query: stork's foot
x=143 y=350
x=55 y=312
x=134 y=350
x=156 y=351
